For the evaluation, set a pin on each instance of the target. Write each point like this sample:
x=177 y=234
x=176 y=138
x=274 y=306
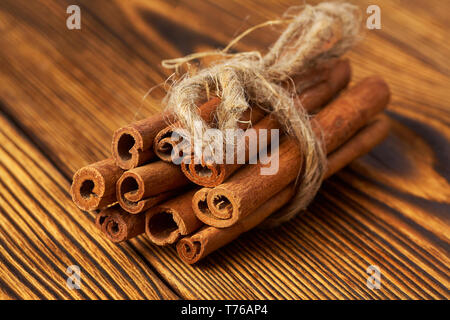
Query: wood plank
x=42 y=233
x=70 y=89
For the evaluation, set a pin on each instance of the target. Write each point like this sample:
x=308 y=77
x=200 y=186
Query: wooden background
x=63 y=93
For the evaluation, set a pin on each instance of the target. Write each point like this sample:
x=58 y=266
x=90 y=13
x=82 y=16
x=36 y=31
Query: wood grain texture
x=42 y=233
x=67 y=91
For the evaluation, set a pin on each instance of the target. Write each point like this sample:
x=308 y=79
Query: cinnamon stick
x=333 y=79
x=165 y=223
x=143 y=187
x=132 y=144
x=119 y=225
x=208 y=239
x=163 y=143
x=247 y=189
x=94 y=186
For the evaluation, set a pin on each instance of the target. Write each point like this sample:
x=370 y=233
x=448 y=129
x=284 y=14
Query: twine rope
x=314 y=34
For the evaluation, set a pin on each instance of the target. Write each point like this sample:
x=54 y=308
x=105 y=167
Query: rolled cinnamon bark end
x=119 y=225
x=199 y=201
x=216 y=207
x=100 y=218
x=204 y=174
x=165 y=223
x=192 y=249
x=131 y=194
x=143 y=187
x=132 y=145
x=208 y=239
x=200 y=206
x=94 y=186
x=163 y=144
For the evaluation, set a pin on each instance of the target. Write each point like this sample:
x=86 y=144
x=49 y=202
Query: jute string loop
x=314 y=34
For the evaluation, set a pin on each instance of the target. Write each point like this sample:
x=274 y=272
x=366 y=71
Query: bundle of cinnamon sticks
x=202 y=205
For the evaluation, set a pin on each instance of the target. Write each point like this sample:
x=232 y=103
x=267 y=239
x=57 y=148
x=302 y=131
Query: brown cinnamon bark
x=248 y=189
x=143 y=187
x=208 y=239
x=163 y=143
x=165 y=223
x=332 y=79
x=132 y=145
x=94 y=186
x=363 y=141
x=119 y=225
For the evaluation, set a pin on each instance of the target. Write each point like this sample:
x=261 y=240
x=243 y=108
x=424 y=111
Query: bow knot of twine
x=314 y=35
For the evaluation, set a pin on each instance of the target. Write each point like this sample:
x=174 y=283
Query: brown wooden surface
x=63 y=92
